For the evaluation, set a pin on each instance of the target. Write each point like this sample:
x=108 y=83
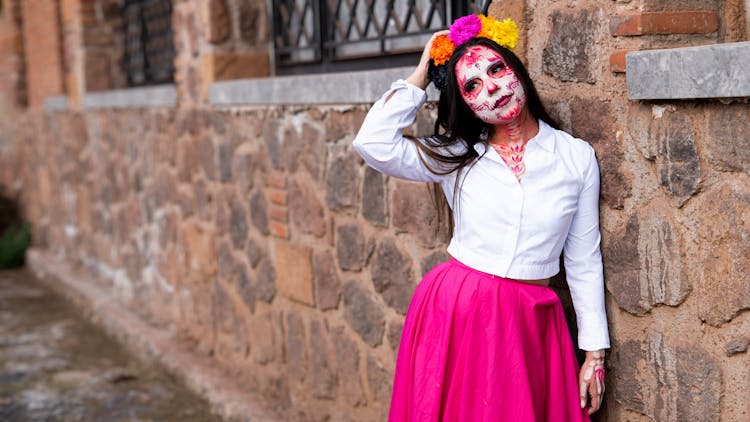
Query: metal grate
x=149 y=46
x=323 y=35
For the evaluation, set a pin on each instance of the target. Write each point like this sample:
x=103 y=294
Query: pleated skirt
x=477 y=347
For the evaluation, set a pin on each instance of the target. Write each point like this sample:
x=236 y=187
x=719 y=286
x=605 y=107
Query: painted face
x=489 y=86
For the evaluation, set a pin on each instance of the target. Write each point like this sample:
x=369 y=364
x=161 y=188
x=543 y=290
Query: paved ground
x=55 y=366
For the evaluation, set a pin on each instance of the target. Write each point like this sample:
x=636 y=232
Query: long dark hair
x=456 y=124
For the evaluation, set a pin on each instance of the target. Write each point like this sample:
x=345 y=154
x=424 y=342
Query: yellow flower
x=441 y=50
x=504 y=32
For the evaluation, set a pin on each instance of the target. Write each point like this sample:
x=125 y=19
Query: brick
x=294 y=272
x=42 y=50
x=277 y=196
x=278 y=213
x=653 y=23
x=280 y=230
x=617 y=61
x=276 y=180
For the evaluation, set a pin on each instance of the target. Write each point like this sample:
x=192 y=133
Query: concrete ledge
x=152 y=96
x=328 y=88
x=197 y=372
x=56 y=103
x=709 y=71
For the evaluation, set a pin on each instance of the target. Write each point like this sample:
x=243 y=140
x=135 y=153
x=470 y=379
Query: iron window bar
x=149 y=45
x=314 y=36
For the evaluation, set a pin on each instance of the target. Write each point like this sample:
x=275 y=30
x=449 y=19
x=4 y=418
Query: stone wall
x=257 y=233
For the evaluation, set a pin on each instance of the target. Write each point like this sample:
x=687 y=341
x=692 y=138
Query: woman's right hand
x=419 y=77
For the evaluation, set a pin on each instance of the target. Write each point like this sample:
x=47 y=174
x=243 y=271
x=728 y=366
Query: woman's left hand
x=591 y=380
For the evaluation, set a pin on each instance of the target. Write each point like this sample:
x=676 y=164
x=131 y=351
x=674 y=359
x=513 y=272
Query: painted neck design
x=510 y=143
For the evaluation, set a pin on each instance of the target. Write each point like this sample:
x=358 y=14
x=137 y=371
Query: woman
x=485 y=337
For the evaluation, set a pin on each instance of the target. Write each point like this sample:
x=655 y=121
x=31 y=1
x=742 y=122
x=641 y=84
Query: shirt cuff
x=593 y=333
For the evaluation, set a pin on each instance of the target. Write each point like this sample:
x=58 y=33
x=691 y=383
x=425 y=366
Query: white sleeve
x=380 y=140
x=583 y=264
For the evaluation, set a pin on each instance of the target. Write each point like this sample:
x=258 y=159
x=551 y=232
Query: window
x=149 y=47
x=336 y=35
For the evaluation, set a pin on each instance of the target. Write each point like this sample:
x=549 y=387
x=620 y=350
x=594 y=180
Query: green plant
x=13 y=245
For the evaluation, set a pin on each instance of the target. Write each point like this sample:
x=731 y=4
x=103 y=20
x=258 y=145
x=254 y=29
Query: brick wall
x=12 y=76
x=261 y=237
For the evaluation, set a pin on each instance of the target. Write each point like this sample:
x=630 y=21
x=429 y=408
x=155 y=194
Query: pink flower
x=464 y=28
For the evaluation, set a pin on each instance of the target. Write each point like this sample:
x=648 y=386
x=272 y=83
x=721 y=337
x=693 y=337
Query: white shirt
x=505 y=227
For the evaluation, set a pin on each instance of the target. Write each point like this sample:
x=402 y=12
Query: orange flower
x=441 y=50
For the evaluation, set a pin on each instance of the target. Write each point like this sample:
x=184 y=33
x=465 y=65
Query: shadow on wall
x=15 y=234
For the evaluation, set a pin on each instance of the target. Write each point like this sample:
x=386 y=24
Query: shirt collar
x=544 y=139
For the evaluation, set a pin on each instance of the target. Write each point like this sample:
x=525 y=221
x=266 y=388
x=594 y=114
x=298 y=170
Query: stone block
x=374 y=199
x=327 y=281
x=724 y=255
x=313 y=151
x=294 y=272
x=726 y=143
x=363 y=314
x=643 y=264
x=593 y=121
x=395 y=329
x=570 y=51
x=259 y=211
x=323 y=379
x=296 y=347
x=667 y=381
x=433 y=259
x=737 y=345
x=238 y=227
x=266 y=342
x=200 y=247
x=413 y=211
x=516 y=10
x=216 y=20
x=342 y=182
x=265 y=279
x=379 y=379
x=350 y=247
x=347 y=359
x=306 y=209
x=677 y=159
x=709 y=71
x=392 y=275
x=244 y=164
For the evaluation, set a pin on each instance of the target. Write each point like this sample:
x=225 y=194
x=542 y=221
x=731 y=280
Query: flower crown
x=504 y=33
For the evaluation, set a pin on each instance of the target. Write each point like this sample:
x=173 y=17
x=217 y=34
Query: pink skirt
x=477 y=347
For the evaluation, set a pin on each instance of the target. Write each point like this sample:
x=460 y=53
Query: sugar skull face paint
x=489 y=86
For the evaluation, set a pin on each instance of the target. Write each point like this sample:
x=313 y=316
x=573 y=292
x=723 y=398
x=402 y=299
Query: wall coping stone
x=708 y=71
x=327 y=88
x=56 y=102
x=142 y=97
